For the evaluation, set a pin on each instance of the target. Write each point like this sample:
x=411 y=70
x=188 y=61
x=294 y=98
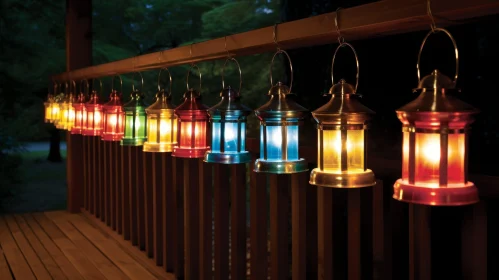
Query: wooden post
x=221 y=200
x=258 y=224
x=78 y=55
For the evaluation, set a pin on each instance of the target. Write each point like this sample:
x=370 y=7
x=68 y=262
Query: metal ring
x=100 y=83
x=188 y=72
x=240 y=73
x=430 y=15
x=274 y=34
x=341 y=39
x=141 y=80
x=74 y=86
x=66 y=88
x=112 y=83
x=159 y=80
x=356 y=61
x=436 y=30
x=88 y=86
x=290 y=67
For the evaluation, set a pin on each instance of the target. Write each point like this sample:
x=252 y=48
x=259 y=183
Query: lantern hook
x=225 y=46
x=430 y=15
x=86 y=83
x=100 y=84
x=112 y=83
x=141 y=82
x=74 y=86
x=290 y=67
x=159 y=80
x=274 y=34
x=436 y=30
x=356 y=62
x=240 y=73
x=341 y=39
x=193 y=65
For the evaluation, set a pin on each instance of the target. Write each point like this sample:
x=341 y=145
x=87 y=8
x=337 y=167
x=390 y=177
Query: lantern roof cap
x=279 y=106
x=343 y=106
x=230 y=103
x=192 y=101
x=93 y=98
x=163 y=102
x=136 y=102
x=114 y=99
x=436 y=80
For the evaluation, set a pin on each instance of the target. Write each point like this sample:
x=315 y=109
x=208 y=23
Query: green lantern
x=135 y=118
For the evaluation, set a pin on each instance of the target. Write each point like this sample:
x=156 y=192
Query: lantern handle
x=341 y=39
x=159 y=80
x=343 y=44
x=86 y=83
x=100 y=84
x=290 y=67
x=66 y=88
x=240 y=73
x=74 y=86
x=112 y=83
x=188 y=72
x=436 y=30
x=141 y=81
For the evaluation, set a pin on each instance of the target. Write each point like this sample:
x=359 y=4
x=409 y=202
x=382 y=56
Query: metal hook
x=275 y=37
x=430 y=15
x=133 y=82
x=240 y=73
x=112 y=84
x=341 y=39
x=227 y=51
x=159 y=80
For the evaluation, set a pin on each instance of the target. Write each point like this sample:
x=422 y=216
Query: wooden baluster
x=206 y=219
x=110 y=189
x=299 y=244
x=75 y=172
x=139 y=197
x=312 y=231
x=238 y=221
x=221 y=200
x=353 y=234
x=149 y=178
x=191 y=218
x=156 y=193
x=118 y=187
x=90 y=172
x=104 y=183
x=85 y=172
x=169 y=216
x=178 y=183
x=279 y=203
x=419 y=242
x=325 y=231
x=95 y=181
x=100 y=178
x=475 y=242
x=132 y=195
x=378 y=225
x=258 y=224
x=125 y=192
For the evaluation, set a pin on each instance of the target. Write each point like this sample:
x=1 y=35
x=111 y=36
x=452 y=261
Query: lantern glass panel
x=405 y=157
x=152 y=128
x=274 y=142
x=230 y=137
x=428 y=158
x=215 y=136
x=292 y=142
x=243 y=136
x=456 y=158
x=200 y=134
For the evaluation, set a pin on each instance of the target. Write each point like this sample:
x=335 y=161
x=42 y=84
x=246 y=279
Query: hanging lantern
x=49 y=106
x=192 y=121
x=161 y=122
x=56 y=105
x=80 y=111
x=279 y=120
x=341 y=127
x=228 y=126
x=135 y=118
x=66 y=112
x=92 y=123
x=435 y=142
x=113 y=127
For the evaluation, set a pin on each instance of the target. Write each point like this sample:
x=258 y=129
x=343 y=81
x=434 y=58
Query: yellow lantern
x=161 y=122
x=341 y=125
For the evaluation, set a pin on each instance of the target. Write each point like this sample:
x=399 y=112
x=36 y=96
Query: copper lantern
x=113 y=127
x=341 y=128
x=79 y=109
x=435 y=142
x=192 y=123
x=92 y=124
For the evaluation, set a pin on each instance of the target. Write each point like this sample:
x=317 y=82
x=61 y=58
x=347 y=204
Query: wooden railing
x=192 y=218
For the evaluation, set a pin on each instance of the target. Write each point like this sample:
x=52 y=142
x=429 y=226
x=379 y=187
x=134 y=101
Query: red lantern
x=192 y=122
x=435 y=145
x=114 y=116
x=80 y=110
x=93 y=118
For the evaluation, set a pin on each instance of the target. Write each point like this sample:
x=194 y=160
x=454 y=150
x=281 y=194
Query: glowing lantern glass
x=113 y=127
x=135 y=119
x=67 y=112
x=228 y=131
x=80 y=110
x=192 y=122
x=48 y=108
x=435 y=143
x=279 y=120
x=56 y=106
x=161 y=122
x=341 y=124
x=92 y=124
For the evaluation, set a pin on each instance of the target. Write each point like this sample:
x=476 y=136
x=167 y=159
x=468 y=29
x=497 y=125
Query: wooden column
x=78 y=55
x=221 y=200
x=191 y=218
x=258 y=224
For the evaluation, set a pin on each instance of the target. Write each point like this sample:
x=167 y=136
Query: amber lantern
x=279 y=121
x=50 y=113
x=79 y=108
x=113 y=127
x=56 y=105
x=135 y=118
x=92 y=124
x=66 y=112
x=435 y=142
x=161 y=121
x=341 y=128
x=192 y=122
x=228 y=126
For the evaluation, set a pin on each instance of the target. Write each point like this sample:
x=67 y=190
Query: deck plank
x=13 y=254
x=105 y=266
x=49 y=263
x=64 y=264
x=4 y=267
x=119 y=257
x=74 y=255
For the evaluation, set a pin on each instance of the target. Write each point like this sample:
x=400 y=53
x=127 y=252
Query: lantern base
x=132 y=141
x=281 y=167
x=440 y=196
x=76 y=131
x=92 y=132
x=189 y=152
x=227 y=158
x=342 y=180
x=158 y=147
x=111 y=137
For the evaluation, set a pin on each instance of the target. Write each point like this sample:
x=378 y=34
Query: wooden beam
x=366 y=21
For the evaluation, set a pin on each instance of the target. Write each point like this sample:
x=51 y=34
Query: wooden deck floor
x=60 y=245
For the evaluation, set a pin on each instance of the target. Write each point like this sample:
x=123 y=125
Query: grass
x=43 y=185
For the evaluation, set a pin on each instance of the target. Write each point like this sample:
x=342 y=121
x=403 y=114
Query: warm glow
x=112 y=120
x=97 y=118
x=332 y=147
x=165 y=130
x=186 y=130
